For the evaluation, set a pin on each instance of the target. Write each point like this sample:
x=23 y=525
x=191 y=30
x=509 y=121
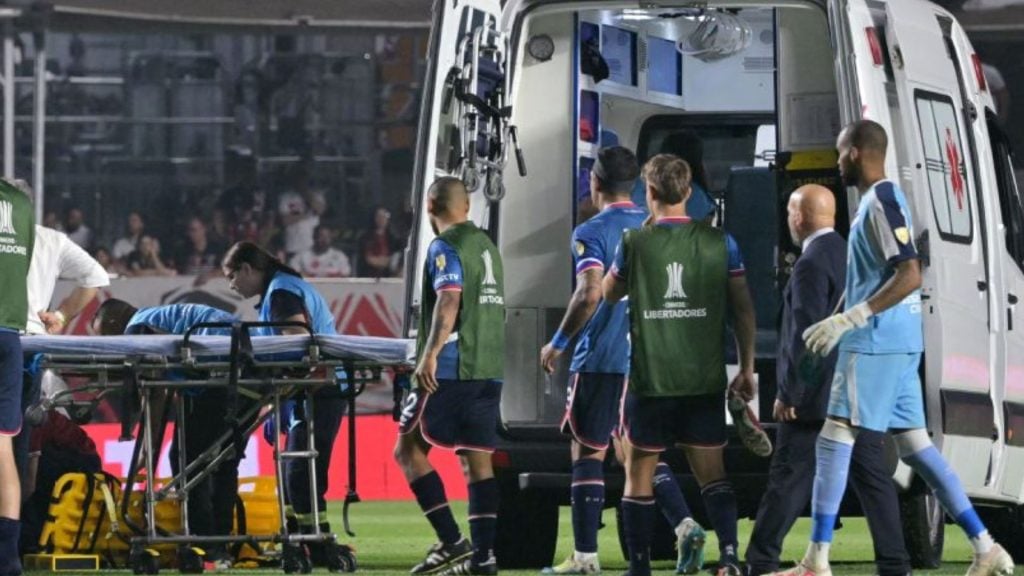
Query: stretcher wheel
x=190 y=560
x=340 y=558
x=295 y=560
x=144 y=560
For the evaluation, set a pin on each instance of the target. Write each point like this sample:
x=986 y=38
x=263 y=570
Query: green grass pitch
x=392 y=536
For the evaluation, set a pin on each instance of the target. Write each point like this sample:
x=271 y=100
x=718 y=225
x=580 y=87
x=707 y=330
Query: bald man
x=880 y=339
x=460 y=350
x=813 y=292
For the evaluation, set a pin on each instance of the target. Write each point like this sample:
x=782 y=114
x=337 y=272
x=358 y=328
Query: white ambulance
x=519 y=95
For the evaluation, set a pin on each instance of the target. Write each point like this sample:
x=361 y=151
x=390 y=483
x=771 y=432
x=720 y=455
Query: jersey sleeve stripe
x=588 y=264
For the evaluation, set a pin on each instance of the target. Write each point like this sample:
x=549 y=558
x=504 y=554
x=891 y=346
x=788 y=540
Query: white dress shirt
x=56 y=256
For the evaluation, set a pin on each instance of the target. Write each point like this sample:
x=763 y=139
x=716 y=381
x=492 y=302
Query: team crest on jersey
x=489 y=292
x=579 y=248
x=676 y=305
x=440 y=262
x=488 y=269
x=675 y=281
x=7 y=218
x=902 y=234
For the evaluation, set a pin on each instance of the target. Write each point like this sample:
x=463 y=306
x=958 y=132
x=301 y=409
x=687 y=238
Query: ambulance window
x=1011 y=206
x=944 y=166
x=729 y=142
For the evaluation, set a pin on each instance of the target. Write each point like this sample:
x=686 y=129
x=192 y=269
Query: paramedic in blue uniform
x=211 y=504
x=286 y=297
x=812 y=293
x=599 y=367
x=880 y=337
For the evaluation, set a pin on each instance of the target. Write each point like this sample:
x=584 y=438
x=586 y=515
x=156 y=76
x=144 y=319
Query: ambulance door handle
x=982 y=286
x=1012 y=299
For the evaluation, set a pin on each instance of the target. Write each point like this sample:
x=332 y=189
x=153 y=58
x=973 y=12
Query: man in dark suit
x=813 y=292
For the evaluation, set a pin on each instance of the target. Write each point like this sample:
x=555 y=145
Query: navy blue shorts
x=654 y=424
x=461 y=415
x=11 y=366
x=592 y=407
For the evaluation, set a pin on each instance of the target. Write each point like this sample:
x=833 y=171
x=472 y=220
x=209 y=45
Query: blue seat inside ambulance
x=752 y=218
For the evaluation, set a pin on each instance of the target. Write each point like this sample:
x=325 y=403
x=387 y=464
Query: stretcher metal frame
x=139 y=378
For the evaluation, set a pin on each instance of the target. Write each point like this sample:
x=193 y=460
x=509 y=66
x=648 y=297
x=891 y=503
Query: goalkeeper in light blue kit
x=876 y=384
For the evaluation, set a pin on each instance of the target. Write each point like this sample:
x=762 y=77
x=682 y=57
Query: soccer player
x=599 y=368
x=682 y=278
x=286 y=297
x=457 y=383
x=211 y=503
x=17 y=236
x=876 y=384
x=813 y=293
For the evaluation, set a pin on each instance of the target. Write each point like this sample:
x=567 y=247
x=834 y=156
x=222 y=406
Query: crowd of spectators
x=299 y=227
x=280 y=208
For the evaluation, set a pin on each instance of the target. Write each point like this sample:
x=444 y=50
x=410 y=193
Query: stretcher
x=264 y=369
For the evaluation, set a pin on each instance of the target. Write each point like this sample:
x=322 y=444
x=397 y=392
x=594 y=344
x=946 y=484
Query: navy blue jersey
x=603 y=345
x=178 y=318
x=445 y=271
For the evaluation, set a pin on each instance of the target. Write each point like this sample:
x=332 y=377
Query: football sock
x=946 y=486
x=483 y=518
x=430 y=495
x=638 y=515
x=669 y=496
x=833 y=466
x=720 y=503
x=587 y=502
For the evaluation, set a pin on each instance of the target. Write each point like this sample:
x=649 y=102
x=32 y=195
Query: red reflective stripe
x=876 y=46
x=979 y=73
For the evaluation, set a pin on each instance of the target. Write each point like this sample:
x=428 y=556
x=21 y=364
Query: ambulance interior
x=756 y=84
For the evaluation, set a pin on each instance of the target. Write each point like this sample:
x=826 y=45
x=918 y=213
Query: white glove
x=822 y=337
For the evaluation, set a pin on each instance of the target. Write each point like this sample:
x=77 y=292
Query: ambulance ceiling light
x=718 y=35
x=648 y=15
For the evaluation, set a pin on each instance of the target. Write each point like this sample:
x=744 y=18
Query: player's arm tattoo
x=583 y=303
x=441 y=325
x=743 y=320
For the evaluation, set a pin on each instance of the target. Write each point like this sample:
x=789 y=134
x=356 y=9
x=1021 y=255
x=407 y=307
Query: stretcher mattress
x=384 y=351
